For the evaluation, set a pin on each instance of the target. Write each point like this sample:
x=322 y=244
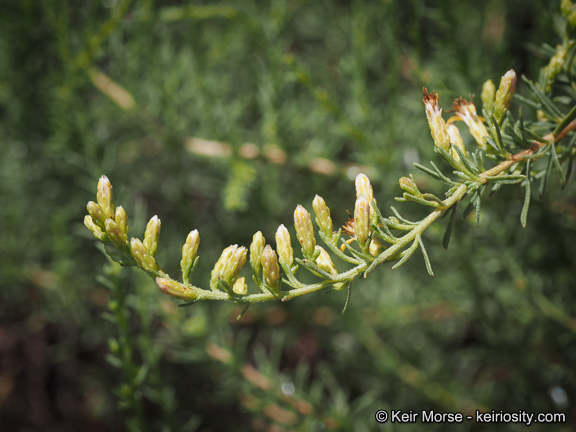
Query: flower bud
x=504 y=95
x=256 y=249
x=152 y=235
x=466 y=111
x=325 y=262
x=487 y=96
x=363 y=187
x=435 y=121
x=362 y=220
x=121 y=219
x=235 y=264
x=304 y=230
x=98 y=233
x=174 y=289
x=104 y=196
x=323 y=218
x=271 y=270
x=97 y=214
x=456 y=139
x=240 y=286
x=375 y=247
x=114 y=233
x=228 y=265
x=142 y=255
x=189 y=251
x=284 y=246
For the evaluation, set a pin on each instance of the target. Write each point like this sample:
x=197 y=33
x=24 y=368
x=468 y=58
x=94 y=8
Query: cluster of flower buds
x=143 y=252
x=103 y=210
x=495 y=102
x=228 y=266
x=109 y=225
x=142 y=255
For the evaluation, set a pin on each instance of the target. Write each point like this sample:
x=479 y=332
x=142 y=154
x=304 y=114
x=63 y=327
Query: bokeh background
x=222 y=117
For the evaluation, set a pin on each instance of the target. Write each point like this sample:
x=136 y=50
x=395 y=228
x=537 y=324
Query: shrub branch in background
x=506 y=151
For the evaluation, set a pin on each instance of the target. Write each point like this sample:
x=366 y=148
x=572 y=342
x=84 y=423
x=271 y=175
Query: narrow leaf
x=432 y=173
x=477 y=202
x=419 y=200
x=241 y=314
x=406 y=221
x=494 y=125
x=544 y=182
x=527 y=101
x=407 y=254
x=524 y=214
x=466 y=161
x=348 y=295
x=440 y=173
x=425 y=254
x=557 y=163
x=448 y=233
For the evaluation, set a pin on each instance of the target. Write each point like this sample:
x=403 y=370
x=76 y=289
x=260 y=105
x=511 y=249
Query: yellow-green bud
x=435 y=120
x=235 y=264
x=362 y=220
x=114 y=233
x=504 y=95
x=121 y=219
x=271 y=270
x=97 y=214
x=325 y=262
x=456 y=139
x=256 y=249
x=104 y=196
x=487 y=96
x=304 y=230
x=363 y=187
x=152 y=235
x=228 y=265
x=284 y=246
x=98 y=233
x=174 y=289
x=142 y=255
x=240 y=286
x=323 y=218
x=189 y=252
x=375 y=247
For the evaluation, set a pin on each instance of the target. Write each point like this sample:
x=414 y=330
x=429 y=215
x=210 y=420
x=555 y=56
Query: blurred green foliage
x=303 y=81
